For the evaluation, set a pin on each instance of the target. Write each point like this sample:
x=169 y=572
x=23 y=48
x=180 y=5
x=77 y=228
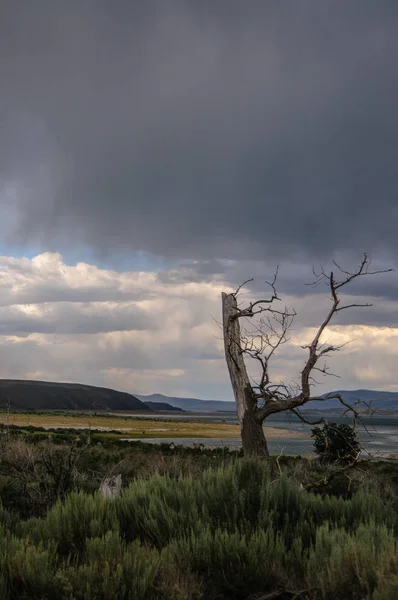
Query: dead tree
x=257 y=401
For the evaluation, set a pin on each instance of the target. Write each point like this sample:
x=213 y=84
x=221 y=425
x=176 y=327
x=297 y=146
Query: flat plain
x=138 y=427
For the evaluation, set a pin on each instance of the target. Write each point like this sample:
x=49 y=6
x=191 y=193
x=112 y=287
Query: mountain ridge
x=163 y=407
x=378 y=399
x=190 y=404
x=25 y=394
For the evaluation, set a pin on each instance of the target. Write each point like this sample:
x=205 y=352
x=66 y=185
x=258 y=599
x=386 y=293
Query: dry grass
x=139 y=427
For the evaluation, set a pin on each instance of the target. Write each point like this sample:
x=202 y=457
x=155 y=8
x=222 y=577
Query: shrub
x=350 y=565
x=336 y=443
x=232 y=532
x=71 y=523
x=111 y=569
x=232 y=565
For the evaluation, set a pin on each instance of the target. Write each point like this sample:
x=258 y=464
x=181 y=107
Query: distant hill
x=45 y=395
x=191 y=404
x=383 y=401
x=163 y=406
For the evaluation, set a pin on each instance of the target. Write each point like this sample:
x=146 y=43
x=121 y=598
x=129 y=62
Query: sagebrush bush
x=347 y=564
x=38 y=469
x=232 y=564
x=70 y=524
x=235 y=531
x=109 y=568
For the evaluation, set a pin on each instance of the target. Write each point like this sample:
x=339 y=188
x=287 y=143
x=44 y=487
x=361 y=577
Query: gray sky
x=219 y=138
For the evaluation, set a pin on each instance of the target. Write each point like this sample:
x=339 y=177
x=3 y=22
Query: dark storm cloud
x=292 y=279
x=201 y=129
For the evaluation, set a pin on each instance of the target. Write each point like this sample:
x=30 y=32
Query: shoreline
x=145 y=427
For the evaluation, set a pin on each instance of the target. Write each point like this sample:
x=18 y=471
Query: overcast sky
x=154 y=154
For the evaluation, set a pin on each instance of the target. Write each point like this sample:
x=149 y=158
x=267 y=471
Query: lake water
x=380 y=438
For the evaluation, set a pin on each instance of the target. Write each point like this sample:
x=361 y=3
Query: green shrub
x=72 y=522
x=111 y=569
x=232 y=565
x=27 y=571
x=232 y=532
x=158 y=509
x=336 y=443
x=345 y=565
x=387 y=589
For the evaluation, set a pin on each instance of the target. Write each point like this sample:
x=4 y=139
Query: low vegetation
x=133 y=426
x=190 y=524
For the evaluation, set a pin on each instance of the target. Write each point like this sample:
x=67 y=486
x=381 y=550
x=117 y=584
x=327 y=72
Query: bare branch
x=241 y=286
x=334 y=285
x=249 y=311
x=365 y=305
x=305 y=420
x=256 y=400
x=328 y=479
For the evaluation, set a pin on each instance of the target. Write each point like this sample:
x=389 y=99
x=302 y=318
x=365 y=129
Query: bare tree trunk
x=253 y=438
x=252 y=432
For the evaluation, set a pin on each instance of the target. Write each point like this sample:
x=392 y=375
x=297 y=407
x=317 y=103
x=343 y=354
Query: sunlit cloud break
x=144 y=333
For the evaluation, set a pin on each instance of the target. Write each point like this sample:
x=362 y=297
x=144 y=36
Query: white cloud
x=145 y=332
x=80 y=323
